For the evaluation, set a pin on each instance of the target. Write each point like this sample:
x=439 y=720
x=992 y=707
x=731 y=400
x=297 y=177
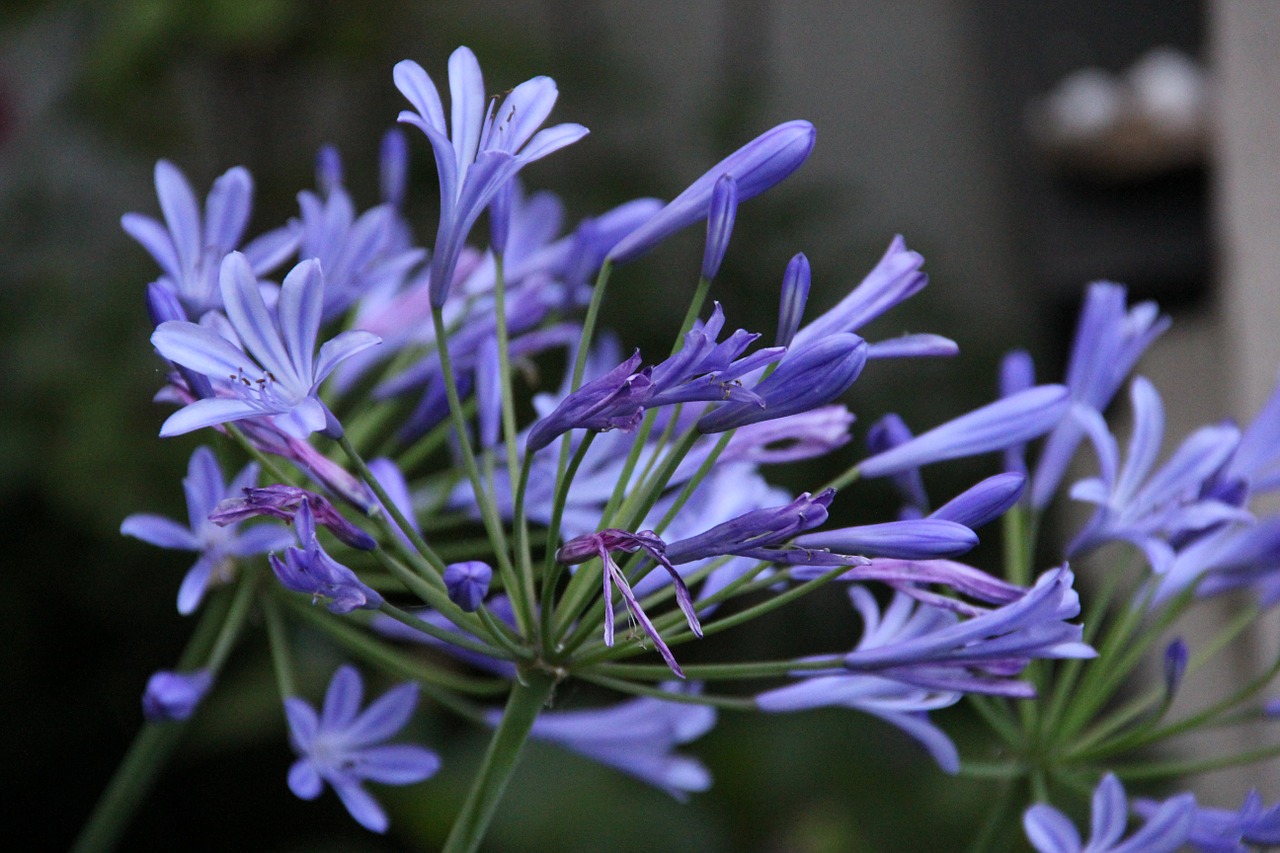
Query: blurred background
x=1024 y=148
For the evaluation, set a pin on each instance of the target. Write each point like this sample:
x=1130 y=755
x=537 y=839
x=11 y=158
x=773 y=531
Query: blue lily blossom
x=755 y=167
x=277 y=374
x=908 y=539
x=479 y=150
x=218 y=546
x=1234 y=556
x=1165 y=831
x=189 y=248
x=1215 y=830
x=638 y=737
x=995 y=426
x=282 y=502
x=888 y=433
x=898 y=703
x=1017 y=373
x=310 y=569
x=795 y=295
x=173 y=696
x=342 y=746
x=983 y=502
x=1108 y=342
x=1152 y=510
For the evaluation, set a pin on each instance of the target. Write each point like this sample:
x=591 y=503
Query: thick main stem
x=528 y=695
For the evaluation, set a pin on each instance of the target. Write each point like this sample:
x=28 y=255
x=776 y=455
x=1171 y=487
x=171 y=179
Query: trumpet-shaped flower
x=189 y=248
x=277 y=374
x=342 y=745
x=311 y=570
x=217 y=545
x=478 y=150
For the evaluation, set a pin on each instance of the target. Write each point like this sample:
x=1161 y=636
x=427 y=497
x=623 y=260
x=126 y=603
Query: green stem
x=219 y=627
x=528 y=695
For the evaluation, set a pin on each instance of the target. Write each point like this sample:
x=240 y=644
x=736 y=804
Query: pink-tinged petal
x=361 y=805
x=416 y=85
x=159 y=531
x=1049 y=830
x=341 y=347
x=194 y=585
x=181 y=213
x=301 y=301
x=551 y=139
x=384 y=717
x=467 y=104
x=202 y=486
x=242 y=300
x=208 y=412
x=155 y=238
x=226 y=210
x=304 y=781
x=398 y=764
x=342 y=699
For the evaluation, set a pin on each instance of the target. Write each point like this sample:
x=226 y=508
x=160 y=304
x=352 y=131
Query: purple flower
x=218 y=546
x=762 y=534
x=705 y=369
x=478 y=150
x=895 y=278
x=613 y=401
x=1017 y=373
x=804 y=379
x=984 y=653
x=724 y=207
x=467 y=583
x=1167 y=829
x=282 y=502
x=189 y=248
x=756 y=166
x=995 y=426
x=898 y=703
x=637 y=737
x=174 y=695
x=280 y=375
x=311 y=570
x=1148 y=509
x=886 y=434
x=984 y=502
x=1108 y=343
x=795 y=293
x=1175 y=664
x=583 y=548
x=909 y=539
x=1221 y=831
x=342 y=745
x=1232 y=557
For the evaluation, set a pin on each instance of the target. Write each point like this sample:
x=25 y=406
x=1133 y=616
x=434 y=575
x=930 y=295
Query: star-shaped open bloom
x=277 y=374
x=189 y=247
x=342 y=745
x=1166 y=830
x=217 y=545
x=478 y=150
x=1146 y=508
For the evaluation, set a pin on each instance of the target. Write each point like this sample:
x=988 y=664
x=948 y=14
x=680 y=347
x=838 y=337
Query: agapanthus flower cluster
x=633 y=514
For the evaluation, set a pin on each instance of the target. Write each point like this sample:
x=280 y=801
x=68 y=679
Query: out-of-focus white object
x=1150 y=120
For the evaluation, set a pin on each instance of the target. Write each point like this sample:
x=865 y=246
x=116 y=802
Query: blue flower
x=467 y=583
x=908 y=539
x=479 y=150
x=279 y=375
x=637 y=737
x=756 y=166
x=1152 y=510
x=1167 y=829
x=724 y=208
x=1108 y=343
x=311 y=570
x=342 y=746
x=218 y=546
x=282 y=502
x=174 y=695
x=189 y=248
